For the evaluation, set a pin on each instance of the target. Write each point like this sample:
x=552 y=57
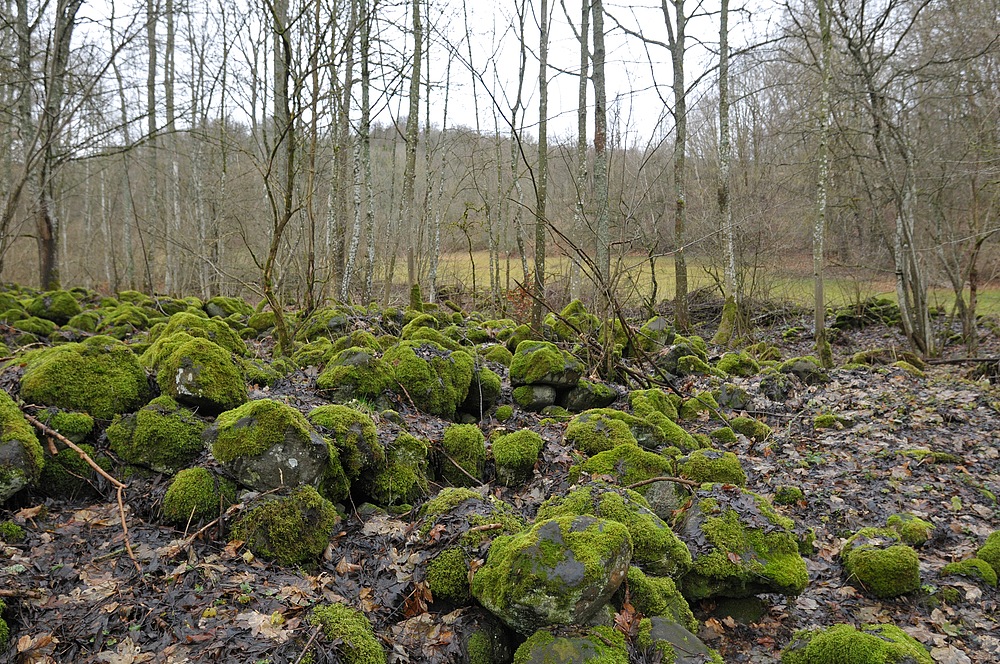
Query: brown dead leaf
x=734 y=558
x=29 y=513
x=712 y=628
x=344 y=567
x=435 y=533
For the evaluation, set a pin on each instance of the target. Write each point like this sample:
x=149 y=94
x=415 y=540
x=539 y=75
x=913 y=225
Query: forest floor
x=74 y=595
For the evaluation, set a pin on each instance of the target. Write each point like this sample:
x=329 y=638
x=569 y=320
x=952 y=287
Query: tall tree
x=677 y=43
x=542 y=172
x=823 y=350
x=603 y=239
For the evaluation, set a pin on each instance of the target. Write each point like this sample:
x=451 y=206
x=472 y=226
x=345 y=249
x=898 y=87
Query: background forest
x=301 y=151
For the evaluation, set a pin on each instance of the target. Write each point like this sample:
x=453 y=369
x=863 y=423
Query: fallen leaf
x=950 y=655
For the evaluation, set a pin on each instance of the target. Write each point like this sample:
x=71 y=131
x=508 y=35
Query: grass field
x=791 y=282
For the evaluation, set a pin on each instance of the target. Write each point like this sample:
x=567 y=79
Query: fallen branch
x=964 y=360
x=464 y=471
x=675 y=480
x=119 y=486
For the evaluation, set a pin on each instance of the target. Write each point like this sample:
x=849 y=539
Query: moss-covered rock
x=788 y=495
x=267 y=444
x=202 y=374
x=973 y=568
x=498 y=353
x=692 y=408
x=67 y=475
x=100 y=376
x=162 y=436
x=593 y=432
x=404 y=479
x=294 y=529
x=435 y=378
x=504 y=413
x=877 y=560
x=57 y=306
x=85 y=321
x=515 y=455
x=912 y=529
x=737 y=364
x=990 y=551
x=484 y=392
x=627 y=464
x=535 y=398
x=447 y=576
x=598 y=645
x=587 y=395
x=658 y=596
x=672 y=643
x=196 y=494
x=223 y=307
x=708 y=465
x=572 y=322
x=844 y=644
x=653 y=336
x=213 y=329
x=808 y=369
x=351 y=631
x=36 y=326
x=559 y=572
x=355 y=436
x=751 y=428
x=354 y=373
x=465 y=445
x=657 y=550
x=740 y=546
x=472 y=520
x=75 y=426
x=542 y=363
x=723 y=435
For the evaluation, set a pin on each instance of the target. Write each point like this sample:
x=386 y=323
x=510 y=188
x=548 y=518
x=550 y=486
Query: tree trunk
x=541 y=185
x=406 y=206
x=676 y=37
x=603 y=249
x=823 y=350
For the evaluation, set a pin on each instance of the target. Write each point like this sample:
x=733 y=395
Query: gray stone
x=686 y=647
x=587 y=395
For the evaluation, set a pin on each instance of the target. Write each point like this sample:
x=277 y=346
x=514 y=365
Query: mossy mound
x=692 y=408
x=625 y=465
x=75 y=426
x=740 y=546
x=213 y=329
x=498 y=353
x=751 y=428
x=990 y=551
x=293 y=529
x=464 y=445
x=808 y=369
x=573 y=322
x=353 y=372
x=202 y=374
x=196 y=494
x=267 y=444
x=657 y=550
x=224 y=307
x=737 y=364
x=653 y=336
x=57 y=306
x=844 y=644
x=325 y=321
x=598 y=645
x=100 y=376
x=593 y=432
x=559 y=572
x=877 y=560
x=458 y=510
x=973 y=568
x=515 y=455
x=435 y=378
x=658 y=596
x=542 y=363
x=588 y=394
x=447 y=576
x=708 y=465
x=162 y=436
x=351 y=631
x=355 y=436
x=404 y=479
x=912 y=529
x=672 y=643
x=788 y=495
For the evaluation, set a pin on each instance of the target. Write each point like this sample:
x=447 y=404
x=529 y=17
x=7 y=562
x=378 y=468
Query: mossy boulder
x=658 y=596
x=535 y=398
x=912 y=529
x=75 y=426
x=808 y=369
x=593 y=432
x=224 y=307
x=464 y=445
x=973 y=568
x=33 y=325
x=685 y=355
x=354 y=373
x=653 y=405
x=57 y=306
x=559 y=572
x=447 y=577
x=588 y=394
x=435 y=378
x=543 y=363
x=692 y=408
x=990 y=551
x=293 y=529
x=708 y=465
x=213 y=329
x=753 y=429
x=405 y=478
x=267 y=444
x=879 y=562
x=100 y=376
x=355 y=437
x=653 y=336
x=85 y=321
x=572 y=322
x=202 y=374
x=515 y=455
x=737 y=364
x=325 y=321
x=161 y=435
x=671 y=642
x=733 y=397
x=460 y=512
x=740 y=545
x=598 y=645
x=351 y=631
x=628 y=464
x=657 y=550
x=197 y=494
x=845 y=644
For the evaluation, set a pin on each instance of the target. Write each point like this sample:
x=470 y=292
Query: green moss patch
x=202 y=374
x=436 y=379
x=447 y=576
x=293 y=529
x=844 y=644
x=515 y=455
x=708 y=465
x=351 y=631
x=196 y=494
x=659 y=596
x=464 y=445
x=21 y=456
x=161 y=435
x=973 y=568
x=876 y=560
